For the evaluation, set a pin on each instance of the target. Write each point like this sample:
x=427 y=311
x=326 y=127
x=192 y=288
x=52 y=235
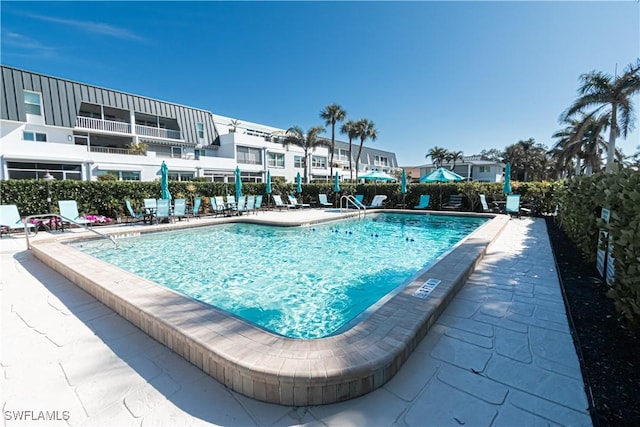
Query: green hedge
x=582 y=200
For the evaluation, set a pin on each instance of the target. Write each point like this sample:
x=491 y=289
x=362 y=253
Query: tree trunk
x=611 y=149
x=333 y=147
x=358 y=158
x=350 y=159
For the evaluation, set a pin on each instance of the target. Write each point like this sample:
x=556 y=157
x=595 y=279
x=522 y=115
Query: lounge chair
x=485 y=205
x=240 y=205
x=359 y=199
x=323 y=202
x=278 y=202
x=70 y=215
x=163 y=210
x=195 y=212
x=10 y=219
x=133 y=215
x=424 y=202
x=150 y=208
x=512 y=207
x=454 y=203
x=258 y=205
x=251 y=204
x=180 y=209
x=377 y=201
x=231 y=202
x=294 y=202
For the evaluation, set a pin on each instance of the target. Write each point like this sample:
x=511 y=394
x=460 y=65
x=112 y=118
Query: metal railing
x=28 y=219
x=349 y=199
x=105 y=125
x=110 y=150
x=157 y=132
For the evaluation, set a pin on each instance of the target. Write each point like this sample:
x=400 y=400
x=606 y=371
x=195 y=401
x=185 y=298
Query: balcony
x=102 y=125
x=109 y=150
x=157 y=132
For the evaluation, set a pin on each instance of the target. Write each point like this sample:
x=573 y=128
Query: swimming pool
x=255 y=362
x=300 y=282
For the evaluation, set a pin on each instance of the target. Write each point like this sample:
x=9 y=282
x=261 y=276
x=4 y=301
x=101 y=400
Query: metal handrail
x=362 y=209
x=63 y=219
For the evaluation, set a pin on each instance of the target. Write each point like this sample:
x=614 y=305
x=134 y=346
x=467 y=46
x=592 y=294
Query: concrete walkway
x=500 y=355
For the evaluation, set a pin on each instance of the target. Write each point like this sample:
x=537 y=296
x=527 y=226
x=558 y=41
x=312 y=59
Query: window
x=249 y=155
x=483 y=169
x=342 y=155
x=297 y=162
x=318 y=162
x=180 y=176
x=275 y=160
x=176 y=152
x=200 y=127
x=32 y=103
x=122 y=175
x=381 y=161
x=34 y=136
x=23 y=170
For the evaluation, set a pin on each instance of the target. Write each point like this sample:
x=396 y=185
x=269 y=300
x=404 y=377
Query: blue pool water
x=300 y=282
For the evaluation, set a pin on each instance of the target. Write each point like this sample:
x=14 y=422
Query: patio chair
x=377 y=201
x=278 y=202
x=240 y=205
x=10 y=220
x=70 y=215
x=251 y=204
x=163 y=210
x=219 y=206
x=424 y=202
x=485 y=205
x=180 y=209
x=359 y=199
x=195 y=212
x=134 y=216
x=258 y=205
x=512 y=207
x=150 y=208
x=323 y=202
x=294 y=202
x=454 y=203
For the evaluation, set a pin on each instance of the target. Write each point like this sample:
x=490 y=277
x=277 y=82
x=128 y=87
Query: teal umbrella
x=268 y=189
x=298 y=184
x=506 y=189
x=336 y=183
x=164 y=181
x=377 y=176
x=238 y=183
x=441 y=175
x=403 y=187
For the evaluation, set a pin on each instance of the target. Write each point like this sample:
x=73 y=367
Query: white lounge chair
x=377 y=201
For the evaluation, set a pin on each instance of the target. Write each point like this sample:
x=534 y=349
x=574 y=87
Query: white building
x=77 y=131
x=472 y=168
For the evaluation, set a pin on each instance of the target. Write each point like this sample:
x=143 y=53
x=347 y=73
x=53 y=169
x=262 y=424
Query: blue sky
x=460 y=75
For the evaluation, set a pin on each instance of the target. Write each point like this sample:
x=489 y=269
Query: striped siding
x=61 y=101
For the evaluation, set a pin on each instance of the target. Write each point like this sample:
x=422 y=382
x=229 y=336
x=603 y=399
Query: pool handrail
x=348 y=198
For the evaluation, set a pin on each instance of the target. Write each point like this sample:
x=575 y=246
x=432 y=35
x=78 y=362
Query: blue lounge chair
x=512 y=206
x=133 y=215
x=258 y=205
x=377 y=201
x=294 y=202
x=424 y=202
x=240 y=205
x=251 y=204
x=195 y=212
x=70 y=215
x=359 y=199
x=180 y=209
x=163 y=210
x=323 y=202
x=10 y=219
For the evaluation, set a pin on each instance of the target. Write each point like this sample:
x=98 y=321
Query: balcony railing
x=105 y=125
x=157 y=132
x=109 y=150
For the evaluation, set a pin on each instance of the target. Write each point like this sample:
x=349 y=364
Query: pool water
x=300 y=282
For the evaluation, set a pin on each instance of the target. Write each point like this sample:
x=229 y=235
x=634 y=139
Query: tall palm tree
x=453 y=157
x=366 y=129
x=332 y=114
x=526 y=147
x=612 y=95
x=438 y=155
x=350 y=129
x=296 y=136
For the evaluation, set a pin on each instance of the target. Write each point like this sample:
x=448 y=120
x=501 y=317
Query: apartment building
x=79 y=131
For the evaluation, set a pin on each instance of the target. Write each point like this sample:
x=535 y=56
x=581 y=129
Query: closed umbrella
x=238 y=183
x=298 y=184
x=403 y=187
x=268 y=188
x=336 y=184
x=506 y=188
x=164 y=182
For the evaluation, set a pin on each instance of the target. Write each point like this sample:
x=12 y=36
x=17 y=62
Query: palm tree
x=453 y=157
x=365 y=128
x=296 y=136
x=332 y=114
x=438 y=155
x=350 y=129
x=526 y=147
x=612 y=95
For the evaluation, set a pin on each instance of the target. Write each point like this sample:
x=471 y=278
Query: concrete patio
x=500 y=355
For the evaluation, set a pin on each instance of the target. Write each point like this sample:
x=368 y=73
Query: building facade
x=78 y=131
x=472 y=168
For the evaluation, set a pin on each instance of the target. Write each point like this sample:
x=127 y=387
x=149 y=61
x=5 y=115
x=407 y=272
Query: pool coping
x=263 y=365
